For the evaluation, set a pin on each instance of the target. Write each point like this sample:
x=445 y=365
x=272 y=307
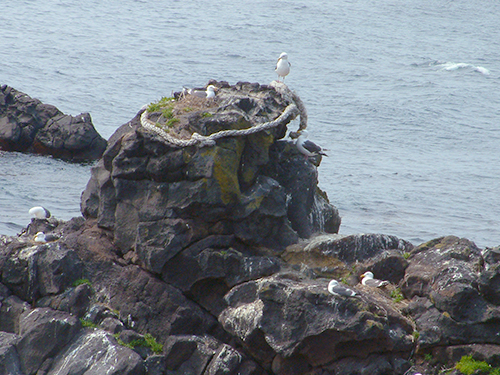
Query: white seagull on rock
x=41 y=237
x=208 y=93
x=336 y=289
x=307 y=147
x=283 y=66
x=368 y=280
x=39 y=212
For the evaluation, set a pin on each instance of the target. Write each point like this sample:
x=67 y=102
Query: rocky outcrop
x=208 y=260
x=248 y=192
x=28 y=125
x=238 y=314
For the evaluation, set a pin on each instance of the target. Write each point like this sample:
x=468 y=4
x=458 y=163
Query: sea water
x=404 y=95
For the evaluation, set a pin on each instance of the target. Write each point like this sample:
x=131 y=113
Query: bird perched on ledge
x=41 y=237
x=208 y=93
x=39 y=212
x=306 y=147
x=283 y=66
x=338 y=290
x=368 y=280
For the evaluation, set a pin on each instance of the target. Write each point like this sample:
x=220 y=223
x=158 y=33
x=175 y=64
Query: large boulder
x=28 y=125
x=43 y=333
x=292 y=324
x=107 y=357
x=159 y=199
x=453 y=294
x=9 y=360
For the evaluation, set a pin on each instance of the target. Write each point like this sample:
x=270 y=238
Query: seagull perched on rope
x=306 y=147
x=283 y=66
x=368 y=280
x=336 y=289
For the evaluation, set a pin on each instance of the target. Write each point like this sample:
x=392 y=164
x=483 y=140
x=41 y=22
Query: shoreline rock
x=28 y=125
x=216 y=260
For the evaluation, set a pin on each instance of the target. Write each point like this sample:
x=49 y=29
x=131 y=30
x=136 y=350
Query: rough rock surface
x=174 y=270
x=28 y=125
x=246 y=191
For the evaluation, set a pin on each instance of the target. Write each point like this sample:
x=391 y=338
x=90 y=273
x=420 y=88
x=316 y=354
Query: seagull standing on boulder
x=368 y=280
x=336 y=289
x=283 y=66
x=306 y=147
x=39 y=212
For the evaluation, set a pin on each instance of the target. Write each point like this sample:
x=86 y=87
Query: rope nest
x=294 y=109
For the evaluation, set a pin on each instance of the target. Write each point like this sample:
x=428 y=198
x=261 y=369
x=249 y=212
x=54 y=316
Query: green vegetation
x=206 y=114
x=406 y=255
x=467 y=365
x=161 y=104
x=396 y=295
x=172 y=121
x=87 y=323
x=416 y=335
x=147 y=341
x=82 y=281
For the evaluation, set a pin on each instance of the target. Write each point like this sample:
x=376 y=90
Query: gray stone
x=108 y=357
x=44 y=332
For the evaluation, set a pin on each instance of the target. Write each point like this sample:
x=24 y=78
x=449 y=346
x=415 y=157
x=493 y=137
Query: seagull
x=368 y=280
x=338 y=290
x=283 y=66
x=307 y=147
x=39 y=212
x=208 y=93
x=41 y=237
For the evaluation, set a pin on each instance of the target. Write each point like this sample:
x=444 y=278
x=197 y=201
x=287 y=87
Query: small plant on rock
x=87 y=323
x=82 y=281
x=396 y=295
x=468 y=366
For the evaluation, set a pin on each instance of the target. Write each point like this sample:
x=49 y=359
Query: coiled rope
x=295 y=108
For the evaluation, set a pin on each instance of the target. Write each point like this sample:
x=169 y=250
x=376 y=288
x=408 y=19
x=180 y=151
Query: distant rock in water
x=28 y=125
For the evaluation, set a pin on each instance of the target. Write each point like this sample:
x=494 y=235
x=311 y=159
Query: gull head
x=284 y=56
x=368 y=275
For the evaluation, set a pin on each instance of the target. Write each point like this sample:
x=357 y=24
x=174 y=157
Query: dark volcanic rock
x=107 y=357
x=295 y=323
x=9 y=360
x=443 y=280
x=160 y=199
x=28 y=125
x=43 y=333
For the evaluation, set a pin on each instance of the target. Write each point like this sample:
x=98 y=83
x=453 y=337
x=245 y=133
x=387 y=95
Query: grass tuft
x=468 y=366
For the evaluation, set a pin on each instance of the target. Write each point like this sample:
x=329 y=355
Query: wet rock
x=43 y=333
x=28 y=125
x=108 y=357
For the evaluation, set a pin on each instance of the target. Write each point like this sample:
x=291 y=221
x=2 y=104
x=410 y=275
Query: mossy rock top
x=233 y=108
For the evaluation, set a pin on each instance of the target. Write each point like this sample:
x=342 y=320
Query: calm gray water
x=405 y=95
